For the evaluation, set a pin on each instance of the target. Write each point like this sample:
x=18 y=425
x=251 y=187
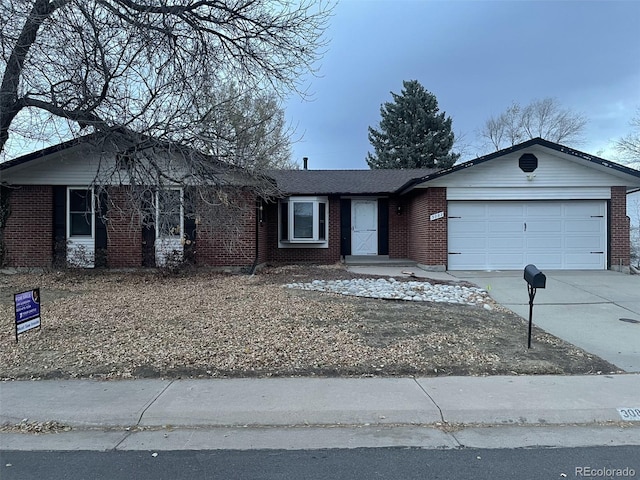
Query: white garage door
x=509 y=235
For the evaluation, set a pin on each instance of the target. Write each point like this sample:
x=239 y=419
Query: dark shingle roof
x=344 y=182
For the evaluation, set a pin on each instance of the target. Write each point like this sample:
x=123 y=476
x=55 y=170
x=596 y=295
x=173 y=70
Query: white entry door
x=364 y=227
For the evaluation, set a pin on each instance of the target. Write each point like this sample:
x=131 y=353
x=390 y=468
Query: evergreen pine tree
x=412 y=133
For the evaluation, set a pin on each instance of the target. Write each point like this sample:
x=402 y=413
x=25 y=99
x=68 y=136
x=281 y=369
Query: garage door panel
x=584 y=226
x=503 y=227
x=584 y=243
x=543 y=242
x=538 y=226
x=506 y=210
x=475 y=261
x=509 y=235
x=469 y=243
x=584 y=209
x=469 y=210
x=544 y=260
x=504 y=261
x=583 y=262
x=469 y=227
x=506 y=243
x=544 y=210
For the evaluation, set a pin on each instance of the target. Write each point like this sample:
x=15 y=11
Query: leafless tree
x=629 y=146
x=139 y=79
x=541 y=118
x=248 y=129
x=505 y=129
x=143 y=65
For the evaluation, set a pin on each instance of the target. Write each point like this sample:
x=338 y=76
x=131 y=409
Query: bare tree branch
x=143 y=65
x=541 y=118
x=629 y=146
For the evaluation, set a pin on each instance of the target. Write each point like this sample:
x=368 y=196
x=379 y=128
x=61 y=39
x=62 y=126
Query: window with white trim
x=169 y=213
x=81 y=208
x=303 y=220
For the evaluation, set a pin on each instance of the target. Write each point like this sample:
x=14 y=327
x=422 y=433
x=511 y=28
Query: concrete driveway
x=598 y=311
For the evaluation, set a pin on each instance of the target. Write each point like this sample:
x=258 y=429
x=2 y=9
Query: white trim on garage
x=507 y=235
x=529 y=193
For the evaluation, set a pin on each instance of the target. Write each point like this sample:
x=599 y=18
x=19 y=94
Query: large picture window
x=303 y=220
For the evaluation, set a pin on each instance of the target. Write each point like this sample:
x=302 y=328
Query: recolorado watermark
x=608 y=472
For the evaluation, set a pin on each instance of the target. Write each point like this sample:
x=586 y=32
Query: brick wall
x=28 y=234
x=304 y=255
x=124 y=233
x=398 y=232
x=620 y=243
x=427 y=239
x=232 y=243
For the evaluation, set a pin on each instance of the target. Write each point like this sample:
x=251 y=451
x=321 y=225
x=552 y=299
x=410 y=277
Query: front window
x=80 y=212
x=169 y=213
x=303 y=220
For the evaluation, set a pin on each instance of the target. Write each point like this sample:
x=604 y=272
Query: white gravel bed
x=391 y=289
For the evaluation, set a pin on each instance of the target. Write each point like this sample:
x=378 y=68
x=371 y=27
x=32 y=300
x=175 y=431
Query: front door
x=364 y=227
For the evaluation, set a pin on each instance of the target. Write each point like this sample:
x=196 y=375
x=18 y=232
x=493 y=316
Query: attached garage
x=537 y=202
x=507 y=235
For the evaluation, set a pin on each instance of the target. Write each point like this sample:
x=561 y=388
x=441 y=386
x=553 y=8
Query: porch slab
x=377 y=260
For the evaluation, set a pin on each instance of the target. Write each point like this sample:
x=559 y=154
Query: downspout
x=257 y=247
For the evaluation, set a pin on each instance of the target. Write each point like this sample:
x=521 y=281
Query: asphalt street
x=385 y=463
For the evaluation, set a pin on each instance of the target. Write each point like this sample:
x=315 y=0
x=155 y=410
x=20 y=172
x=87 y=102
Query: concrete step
x=377 y=260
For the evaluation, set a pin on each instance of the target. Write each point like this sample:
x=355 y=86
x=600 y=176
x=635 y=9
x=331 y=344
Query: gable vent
x=528 y=162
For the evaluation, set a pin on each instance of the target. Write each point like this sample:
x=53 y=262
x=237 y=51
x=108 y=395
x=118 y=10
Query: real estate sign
x=27 y=305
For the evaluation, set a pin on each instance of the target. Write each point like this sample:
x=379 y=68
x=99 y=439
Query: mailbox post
x=535 y=279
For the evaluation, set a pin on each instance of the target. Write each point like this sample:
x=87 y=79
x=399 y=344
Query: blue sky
x=476 y=57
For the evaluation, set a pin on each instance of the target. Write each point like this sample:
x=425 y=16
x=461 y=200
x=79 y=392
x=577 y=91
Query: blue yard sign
x=27 y=310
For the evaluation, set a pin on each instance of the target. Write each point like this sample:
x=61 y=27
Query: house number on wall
x=436 y=216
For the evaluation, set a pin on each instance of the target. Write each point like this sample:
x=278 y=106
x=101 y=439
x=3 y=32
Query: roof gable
x=84 y=161
x=628 y=176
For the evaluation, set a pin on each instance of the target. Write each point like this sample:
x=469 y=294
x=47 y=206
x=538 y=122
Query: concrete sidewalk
x=324 y=412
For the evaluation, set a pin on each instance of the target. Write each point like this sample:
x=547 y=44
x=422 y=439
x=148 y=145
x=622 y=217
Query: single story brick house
x=536 y=202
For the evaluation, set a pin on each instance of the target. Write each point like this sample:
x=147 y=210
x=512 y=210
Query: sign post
x=27 y=307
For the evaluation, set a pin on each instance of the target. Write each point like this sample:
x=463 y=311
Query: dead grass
x=126 y=325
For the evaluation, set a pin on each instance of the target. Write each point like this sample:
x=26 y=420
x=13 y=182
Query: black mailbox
x=534 y=277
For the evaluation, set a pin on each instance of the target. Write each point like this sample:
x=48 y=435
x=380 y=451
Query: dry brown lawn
x=124 y=325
